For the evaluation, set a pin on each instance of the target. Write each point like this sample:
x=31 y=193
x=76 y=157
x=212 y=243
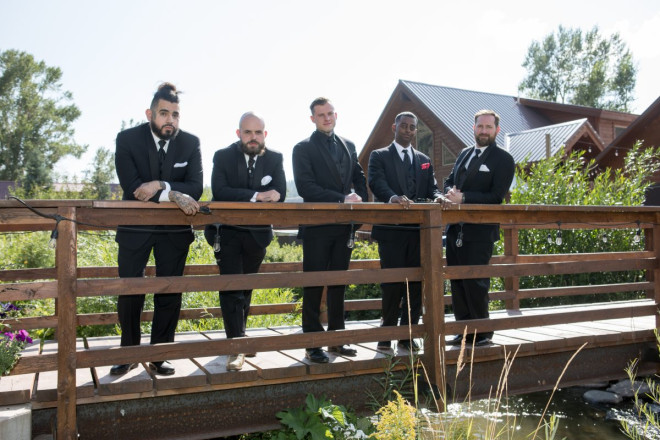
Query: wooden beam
x=66 y=263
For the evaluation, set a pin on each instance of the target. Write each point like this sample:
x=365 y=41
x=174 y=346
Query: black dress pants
x=400 y=249
x=170 y=261
x=239 y=254
x=469 y=296
x=324 y=252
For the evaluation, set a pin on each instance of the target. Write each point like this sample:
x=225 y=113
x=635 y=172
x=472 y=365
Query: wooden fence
x=66 y=281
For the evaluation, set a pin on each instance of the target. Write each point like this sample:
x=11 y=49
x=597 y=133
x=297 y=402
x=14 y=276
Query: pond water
x=577 y=420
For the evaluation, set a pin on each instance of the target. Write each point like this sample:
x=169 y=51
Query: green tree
x=98 y=178
x=581 y=68
x=36 y=118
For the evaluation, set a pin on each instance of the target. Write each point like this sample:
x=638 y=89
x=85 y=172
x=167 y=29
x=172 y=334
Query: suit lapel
x=473 y=168
x=152 y=152
x=417 y=169
x=169 y=159
x=259 y=171
x=347 y=164
x=241 y=166
x=397 y=164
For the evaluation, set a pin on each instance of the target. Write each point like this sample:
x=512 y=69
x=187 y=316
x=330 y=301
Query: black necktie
x=410 y=173
x=473 y=161
x=161 y=155
x=333 y=149
x=406 y=159
x=251 y=170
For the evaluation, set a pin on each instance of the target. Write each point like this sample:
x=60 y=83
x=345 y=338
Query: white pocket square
x=266 y=180
x=180 y=164
x=484 y=168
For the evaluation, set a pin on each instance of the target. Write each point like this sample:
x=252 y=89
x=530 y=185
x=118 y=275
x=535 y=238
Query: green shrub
x=566 y=180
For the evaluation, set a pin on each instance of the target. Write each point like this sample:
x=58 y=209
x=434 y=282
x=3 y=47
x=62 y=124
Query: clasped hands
x=406 y=202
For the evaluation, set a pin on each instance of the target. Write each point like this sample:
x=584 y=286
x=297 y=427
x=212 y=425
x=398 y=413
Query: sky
x=275 y=57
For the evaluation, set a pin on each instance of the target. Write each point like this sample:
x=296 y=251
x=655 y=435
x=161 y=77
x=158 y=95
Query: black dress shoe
x=344 y=351
x=163 y=368
x=118 y=370
x=316 y=355
x=456 y=340
x=482 y=341
x=406 y=344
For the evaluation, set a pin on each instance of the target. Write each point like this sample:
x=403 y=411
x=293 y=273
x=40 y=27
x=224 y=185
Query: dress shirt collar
x=247 y=157
x=400 y=149
x=156 y=139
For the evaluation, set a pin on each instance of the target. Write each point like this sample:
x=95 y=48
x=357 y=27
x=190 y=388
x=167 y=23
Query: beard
x=160 y=131
x=253 y=147
x=484 y=140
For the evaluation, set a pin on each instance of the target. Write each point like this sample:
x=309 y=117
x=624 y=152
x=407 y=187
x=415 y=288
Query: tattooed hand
x=185 y=203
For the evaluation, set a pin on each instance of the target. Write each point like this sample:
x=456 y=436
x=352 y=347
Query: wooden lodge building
x=530 y=129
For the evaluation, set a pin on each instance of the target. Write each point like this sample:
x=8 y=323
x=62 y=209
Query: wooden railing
x=68 y=281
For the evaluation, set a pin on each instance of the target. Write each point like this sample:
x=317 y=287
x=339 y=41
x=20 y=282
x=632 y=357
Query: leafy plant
x=319 y=419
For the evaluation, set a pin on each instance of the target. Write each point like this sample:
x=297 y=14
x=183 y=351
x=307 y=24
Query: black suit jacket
x=136 y=162
x=387 y=179
x=229 y=183
x=318 y=179
x=487 y=182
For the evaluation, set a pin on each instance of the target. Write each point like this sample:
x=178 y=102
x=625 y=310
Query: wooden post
x=512 y=284
x=66 y=263
x=433 y=297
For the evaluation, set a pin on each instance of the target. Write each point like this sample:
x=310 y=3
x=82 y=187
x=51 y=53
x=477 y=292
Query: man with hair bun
x=156 y=162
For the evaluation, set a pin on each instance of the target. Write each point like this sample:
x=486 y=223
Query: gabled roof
x=646 y=127
x=456 y=107
x=529 y=145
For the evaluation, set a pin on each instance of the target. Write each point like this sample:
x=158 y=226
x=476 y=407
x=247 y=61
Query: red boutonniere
x=425 y=166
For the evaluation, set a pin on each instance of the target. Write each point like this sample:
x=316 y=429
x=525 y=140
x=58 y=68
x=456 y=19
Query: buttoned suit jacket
x=318 y=179
x=387 y=178
x=136 y=162
x=229 y=183
x=487 y=182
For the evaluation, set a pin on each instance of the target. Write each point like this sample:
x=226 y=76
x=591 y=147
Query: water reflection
x=577 y=420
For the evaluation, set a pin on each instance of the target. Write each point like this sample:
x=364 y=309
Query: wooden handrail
x=66 y=281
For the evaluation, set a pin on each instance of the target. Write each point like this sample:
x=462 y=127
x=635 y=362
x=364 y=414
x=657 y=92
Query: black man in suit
x=400 y=174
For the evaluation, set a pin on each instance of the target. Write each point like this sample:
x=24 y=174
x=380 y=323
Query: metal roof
x=529 y=145
x=456 y=109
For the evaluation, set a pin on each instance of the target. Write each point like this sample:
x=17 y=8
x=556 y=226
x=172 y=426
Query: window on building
x=448 y=157
x=618 y=131
x=425 y=139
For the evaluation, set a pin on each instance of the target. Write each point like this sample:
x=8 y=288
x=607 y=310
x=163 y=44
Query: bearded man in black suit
x=326 y=169
x=482 y=174
x=156 y=162
x=245 y=171
x=400 y=174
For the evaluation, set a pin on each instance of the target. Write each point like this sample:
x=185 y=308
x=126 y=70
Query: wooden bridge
x=68 y=384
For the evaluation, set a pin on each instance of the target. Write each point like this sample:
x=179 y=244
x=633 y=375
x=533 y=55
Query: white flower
x=266 y=180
